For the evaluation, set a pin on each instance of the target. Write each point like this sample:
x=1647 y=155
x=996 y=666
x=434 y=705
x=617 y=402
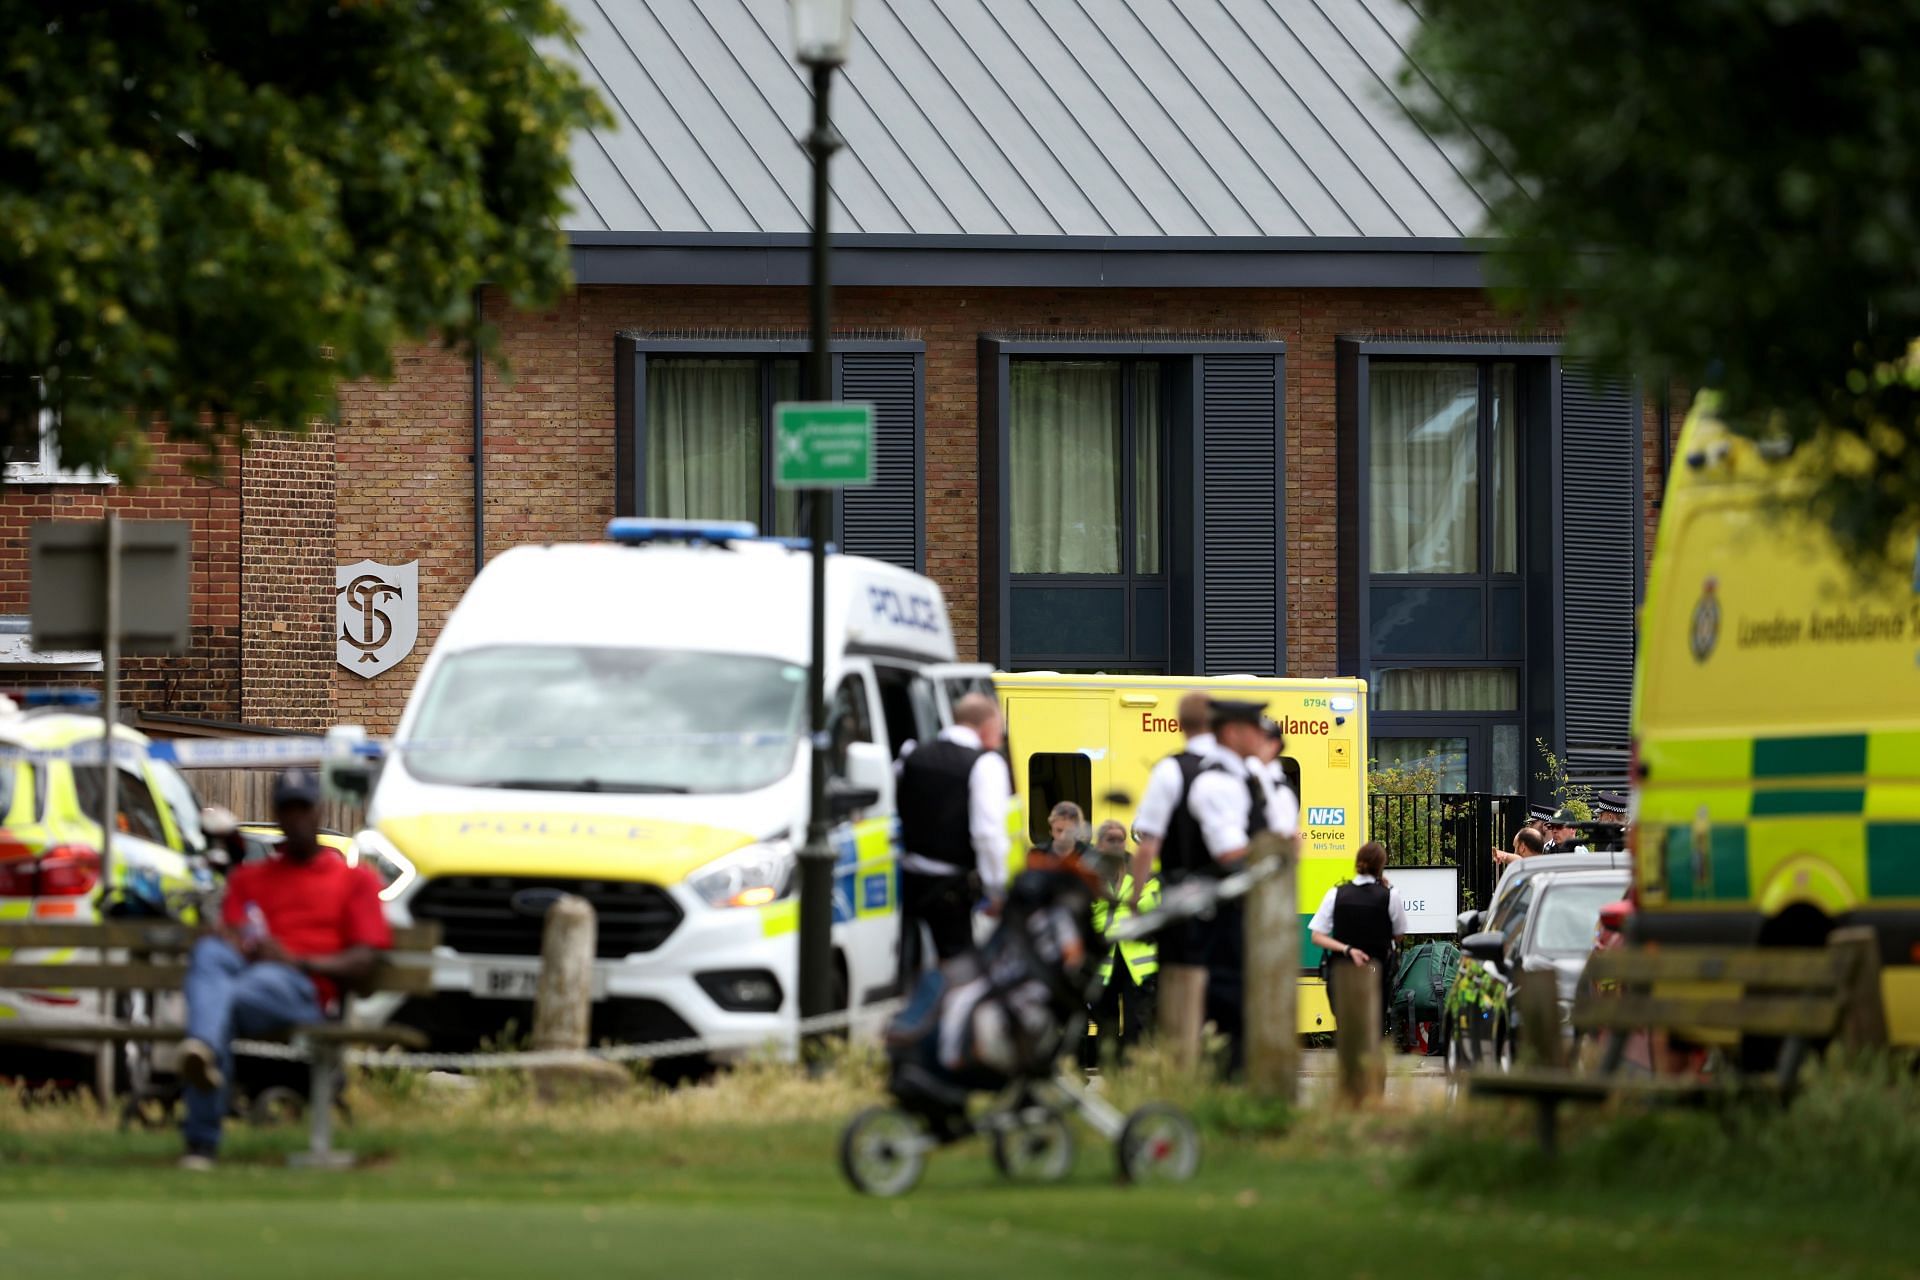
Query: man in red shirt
x=295 y=930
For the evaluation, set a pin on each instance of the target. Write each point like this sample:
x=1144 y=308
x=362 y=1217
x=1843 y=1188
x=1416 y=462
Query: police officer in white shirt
x=1167 y=785
x=1360 y=922
x=1232 y=801
x=952 y=800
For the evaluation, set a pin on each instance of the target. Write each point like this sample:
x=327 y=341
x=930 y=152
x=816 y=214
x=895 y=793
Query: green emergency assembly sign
x=824 y=445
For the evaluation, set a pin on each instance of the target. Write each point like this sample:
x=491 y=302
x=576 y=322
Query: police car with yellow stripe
x=626 y=721
x=1777 y=720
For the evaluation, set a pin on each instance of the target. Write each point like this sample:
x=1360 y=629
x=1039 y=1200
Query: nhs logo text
x=1326 y=817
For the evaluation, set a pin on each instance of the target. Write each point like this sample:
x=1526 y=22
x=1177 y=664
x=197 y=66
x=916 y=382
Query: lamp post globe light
x=822 y=33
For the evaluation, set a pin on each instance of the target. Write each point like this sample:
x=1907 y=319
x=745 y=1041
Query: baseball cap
x=296 y=786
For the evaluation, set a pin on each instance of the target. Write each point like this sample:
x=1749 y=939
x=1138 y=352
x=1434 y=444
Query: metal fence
x=1429 y=829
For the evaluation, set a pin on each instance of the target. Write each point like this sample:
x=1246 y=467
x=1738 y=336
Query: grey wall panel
x=885 y=520
x=1600 y=534
x=1243 y=521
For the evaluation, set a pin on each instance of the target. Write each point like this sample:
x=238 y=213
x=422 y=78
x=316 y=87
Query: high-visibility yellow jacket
x=1140 y=956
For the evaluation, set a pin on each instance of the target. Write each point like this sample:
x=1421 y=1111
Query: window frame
x=632 y=352
x=1129 y=579
x=46 y=469
x=1534 y=364
x=1182 y=359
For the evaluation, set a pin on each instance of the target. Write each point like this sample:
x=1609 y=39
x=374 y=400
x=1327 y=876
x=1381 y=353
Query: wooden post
x=1182 y=1015
x=1863 y=1012
x=1273 y=972
x=563 y=1003
x=1356 y=1032
x=1538 y=1002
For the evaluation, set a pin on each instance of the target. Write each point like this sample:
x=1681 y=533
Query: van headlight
x=750 y=877
x=396 y=871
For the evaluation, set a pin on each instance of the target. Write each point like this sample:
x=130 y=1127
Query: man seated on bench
x=295 y=929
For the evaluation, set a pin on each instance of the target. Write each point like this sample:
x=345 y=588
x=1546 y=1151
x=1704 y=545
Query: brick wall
x=287 y=561
x=404 y=449
x=206 y=682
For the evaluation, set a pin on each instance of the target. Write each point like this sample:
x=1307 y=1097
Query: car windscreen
x=567 y=718
x=1568 y=914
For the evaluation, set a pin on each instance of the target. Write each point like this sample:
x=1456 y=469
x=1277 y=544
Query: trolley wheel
x=276 y=1105
x=1038 y=1152
x=883 y=1152
x=1158 y=1144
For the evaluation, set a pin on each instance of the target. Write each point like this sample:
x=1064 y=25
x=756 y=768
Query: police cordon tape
x=530 y=1059
x=202 y=753
x=1182 y=902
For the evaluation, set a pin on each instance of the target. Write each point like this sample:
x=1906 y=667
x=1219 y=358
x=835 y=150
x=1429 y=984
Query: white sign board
x=377 y=610
x=1431 y=896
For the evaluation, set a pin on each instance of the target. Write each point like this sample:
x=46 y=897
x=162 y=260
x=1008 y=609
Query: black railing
x=1434 y=830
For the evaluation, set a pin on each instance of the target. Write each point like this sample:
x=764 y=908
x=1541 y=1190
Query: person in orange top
x=295 y=929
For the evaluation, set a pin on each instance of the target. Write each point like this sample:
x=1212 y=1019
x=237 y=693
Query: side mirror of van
x=347 y=769
x=869 y=776
x=1467 y=922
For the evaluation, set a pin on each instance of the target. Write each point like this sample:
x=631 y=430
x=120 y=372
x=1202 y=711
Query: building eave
x=1109 y=262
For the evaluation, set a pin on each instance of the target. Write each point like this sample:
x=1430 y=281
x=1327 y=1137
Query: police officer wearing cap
x=1563 y=834
x=1230 y=801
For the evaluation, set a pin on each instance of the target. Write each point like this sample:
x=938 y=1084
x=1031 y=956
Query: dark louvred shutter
x=1600 y=535
x=884 y=520
x=1241 y=521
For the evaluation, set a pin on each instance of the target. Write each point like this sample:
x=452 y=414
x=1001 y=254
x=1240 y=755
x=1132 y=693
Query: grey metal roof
x=1118 y=118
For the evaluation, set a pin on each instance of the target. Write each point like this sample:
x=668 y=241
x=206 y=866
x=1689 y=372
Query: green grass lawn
x=500 y=1187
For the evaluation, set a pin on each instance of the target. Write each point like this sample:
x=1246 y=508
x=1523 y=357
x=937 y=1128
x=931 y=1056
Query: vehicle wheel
x=883 y=1152
x=276 y=1105
x=1037 y=1152
x=1158 y=1144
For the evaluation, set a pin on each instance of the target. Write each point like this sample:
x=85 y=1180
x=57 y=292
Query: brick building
x=1174 y=326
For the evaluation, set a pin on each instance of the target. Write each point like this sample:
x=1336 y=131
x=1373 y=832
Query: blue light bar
x=633 y=531
x=88 y=698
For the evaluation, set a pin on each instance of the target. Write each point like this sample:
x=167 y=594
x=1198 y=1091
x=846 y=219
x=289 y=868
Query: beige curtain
x=1424 y=464
x=703 y=439
x=1446 y=689
x=1147 y=503
x=1064 y=424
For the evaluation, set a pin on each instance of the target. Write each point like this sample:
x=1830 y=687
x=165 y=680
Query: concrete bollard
x=1273 y=973
x=563 y=1004
x=1356 y=1034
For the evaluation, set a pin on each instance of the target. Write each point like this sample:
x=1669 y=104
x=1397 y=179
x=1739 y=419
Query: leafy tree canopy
x=215 y=210
x=1721 y=192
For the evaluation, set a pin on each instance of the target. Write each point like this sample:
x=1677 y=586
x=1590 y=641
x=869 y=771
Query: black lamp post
x=822 y=32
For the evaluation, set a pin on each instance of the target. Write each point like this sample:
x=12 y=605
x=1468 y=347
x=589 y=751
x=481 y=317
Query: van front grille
x=506 y=915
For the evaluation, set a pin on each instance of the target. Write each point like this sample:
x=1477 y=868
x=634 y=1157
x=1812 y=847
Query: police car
x=626 y=721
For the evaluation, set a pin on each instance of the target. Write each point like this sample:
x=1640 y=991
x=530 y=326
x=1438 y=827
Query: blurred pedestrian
x=1129 y=971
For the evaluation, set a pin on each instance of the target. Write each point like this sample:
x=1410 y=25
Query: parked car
x=50 y=848
x=1546 y=922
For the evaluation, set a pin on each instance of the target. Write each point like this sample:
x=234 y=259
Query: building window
x=1447 y=629
x=1087 y=512
x=709 y=437
x=30 y=436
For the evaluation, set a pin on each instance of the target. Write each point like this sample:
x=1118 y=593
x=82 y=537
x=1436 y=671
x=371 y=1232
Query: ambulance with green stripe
x=626 y=721
x=1777 y=721
x=1093 y=739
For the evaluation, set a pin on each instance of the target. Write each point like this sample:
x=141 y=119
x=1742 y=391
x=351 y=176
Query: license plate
x=504 y=983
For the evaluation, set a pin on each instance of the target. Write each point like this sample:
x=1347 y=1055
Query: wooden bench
x=150 y=957
x=1803 y=997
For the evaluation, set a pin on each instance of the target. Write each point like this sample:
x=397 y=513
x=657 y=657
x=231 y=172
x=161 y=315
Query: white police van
x=626 y=721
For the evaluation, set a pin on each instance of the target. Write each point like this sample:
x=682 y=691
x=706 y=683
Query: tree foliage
x=215 y=210
x=1721 y=192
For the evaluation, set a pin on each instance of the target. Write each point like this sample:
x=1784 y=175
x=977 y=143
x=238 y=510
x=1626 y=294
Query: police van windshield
x=563 y=718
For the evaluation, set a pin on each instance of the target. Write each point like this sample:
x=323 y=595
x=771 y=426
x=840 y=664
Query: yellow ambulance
x=1776 y=721
x=1093 y=739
